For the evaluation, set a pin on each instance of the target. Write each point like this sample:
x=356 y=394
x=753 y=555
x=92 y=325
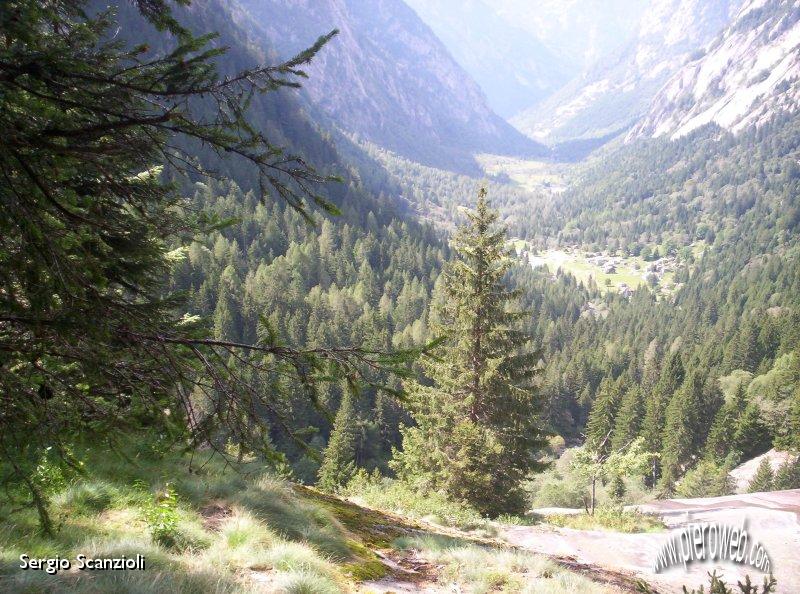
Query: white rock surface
x=748 y=74
x=744 y=473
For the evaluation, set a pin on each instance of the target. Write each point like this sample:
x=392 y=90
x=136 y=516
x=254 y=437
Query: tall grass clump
x=482 y=569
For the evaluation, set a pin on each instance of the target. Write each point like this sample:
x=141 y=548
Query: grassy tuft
x=274 y=502
x=303 y=582
x=87 y=497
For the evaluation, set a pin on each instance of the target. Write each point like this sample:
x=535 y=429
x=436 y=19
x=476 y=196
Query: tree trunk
x=594 y=485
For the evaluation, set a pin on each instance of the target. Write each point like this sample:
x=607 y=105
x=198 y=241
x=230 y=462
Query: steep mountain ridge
x=618 y=90
x=388 y=78
x=749 y=73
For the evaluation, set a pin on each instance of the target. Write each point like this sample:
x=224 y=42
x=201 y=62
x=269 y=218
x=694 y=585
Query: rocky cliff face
x=619 y=88
x=387 y=78
x=749 y=73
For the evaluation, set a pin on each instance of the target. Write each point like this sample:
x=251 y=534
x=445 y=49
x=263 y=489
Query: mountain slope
x=237 y=529
x=387 y=77
x=579 y=31
x=750 y=72
x=619 y=88
x=514 y=68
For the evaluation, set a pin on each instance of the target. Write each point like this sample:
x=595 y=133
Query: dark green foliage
x=707 y=479
x=601 y=420
x=724 y=207
x=656 y=404
x=737 y=285
x=616 y=488
x=91 y=340
x=793 y=435
x=309 y=287
x=720 y=442
x=763 y=478
x=717 y=586
x=476 y=431
x=227 y=314
x=752 y=437
x=628 y=420
x=788 y=475
x=338 y=462
x=681 y=430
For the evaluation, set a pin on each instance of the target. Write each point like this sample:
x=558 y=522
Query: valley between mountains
x=332 y=296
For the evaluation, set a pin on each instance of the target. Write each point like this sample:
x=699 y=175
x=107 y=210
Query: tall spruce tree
x=752 y=437
x=653 y=424
x=719 y=443
x=793 y=438
x=629 y=418
x=763 y=478
x=227 y=316
x=788 y=475
x=601 y=419
x=338 y=463
x=477 y=429
x=681 y=429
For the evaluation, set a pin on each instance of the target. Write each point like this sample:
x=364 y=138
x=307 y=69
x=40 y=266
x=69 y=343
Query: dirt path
x=773 y=519
x=408 y=572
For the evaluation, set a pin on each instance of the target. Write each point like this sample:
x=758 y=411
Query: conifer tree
x=751 y=437
x=707 y=479
x=719 y=442
x=617 y=488
x=338 y=463
x=793 y=437
x=681 y=429
x=788 y=475
x=601 y=419
x=650 y=366
x=628 y=420
x=90 y=224
x=477 y=429
x=746 y=354
x=227 y=316
x=653 y=424
x=762 y=479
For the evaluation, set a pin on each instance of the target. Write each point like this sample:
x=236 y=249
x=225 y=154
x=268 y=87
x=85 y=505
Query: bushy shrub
x=167 y=525
x=399 y=497
x=613 y=518
x=717 y=586
x=559 y=493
